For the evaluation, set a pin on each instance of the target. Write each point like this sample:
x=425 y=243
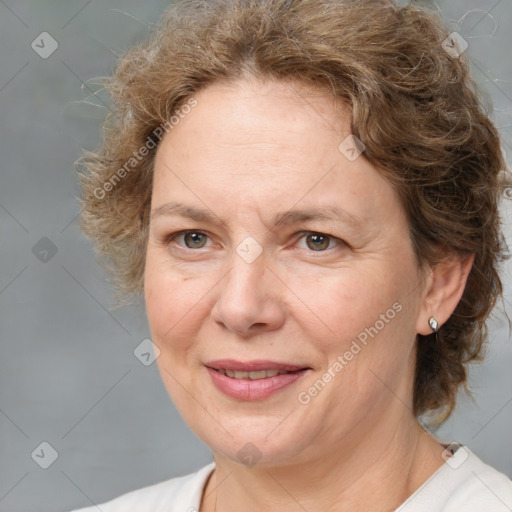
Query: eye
x=193 y=239
x=319 y=242
x=315 y=241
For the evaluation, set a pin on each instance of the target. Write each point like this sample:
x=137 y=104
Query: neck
x=378 y=473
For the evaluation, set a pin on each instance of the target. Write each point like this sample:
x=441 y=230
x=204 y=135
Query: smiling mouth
x=253 y=370
x=252 y=375
x=253 y=380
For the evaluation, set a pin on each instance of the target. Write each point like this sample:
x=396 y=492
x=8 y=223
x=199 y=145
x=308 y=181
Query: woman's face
x=273 y=248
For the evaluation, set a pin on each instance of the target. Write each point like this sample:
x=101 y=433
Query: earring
x=434 y=325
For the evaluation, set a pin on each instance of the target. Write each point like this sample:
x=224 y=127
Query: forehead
x=259 y=114
x=252 y=144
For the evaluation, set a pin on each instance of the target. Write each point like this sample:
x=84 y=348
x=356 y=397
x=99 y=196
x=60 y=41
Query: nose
x=249 y=300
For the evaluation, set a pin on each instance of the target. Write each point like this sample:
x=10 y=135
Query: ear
x=444 y=290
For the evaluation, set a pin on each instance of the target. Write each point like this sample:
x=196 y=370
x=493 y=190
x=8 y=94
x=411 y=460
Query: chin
x=256 y=438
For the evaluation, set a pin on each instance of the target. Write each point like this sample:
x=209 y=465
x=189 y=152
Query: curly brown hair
x=413 y=104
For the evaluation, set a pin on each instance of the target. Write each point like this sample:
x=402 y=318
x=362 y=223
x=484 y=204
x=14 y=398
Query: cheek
x=173 y=316
x=172 y=304
x=366 y=330
x=368 y=353
x=341 y=303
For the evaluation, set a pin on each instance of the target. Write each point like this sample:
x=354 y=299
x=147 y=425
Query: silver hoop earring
x=434 y=325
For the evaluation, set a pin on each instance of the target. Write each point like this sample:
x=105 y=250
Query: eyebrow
x=332 y=213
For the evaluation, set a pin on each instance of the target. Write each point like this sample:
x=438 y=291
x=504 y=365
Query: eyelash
x=340 y=242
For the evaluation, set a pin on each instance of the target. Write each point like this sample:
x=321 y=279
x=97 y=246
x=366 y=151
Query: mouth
x=253 y=380
x=254 y=375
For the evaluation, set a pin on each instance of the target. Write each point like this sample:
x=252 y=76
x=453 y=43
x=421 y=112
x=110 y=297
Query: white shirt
x=462 y=484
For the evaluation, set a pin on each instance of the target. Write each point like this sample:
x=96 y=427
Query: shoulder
x=181 y=494
x=464 y=482
x=480 y=487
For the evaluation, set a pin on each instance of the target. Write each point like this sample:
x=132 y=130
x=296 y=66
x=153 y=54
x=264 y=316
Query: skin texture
x=246 y=152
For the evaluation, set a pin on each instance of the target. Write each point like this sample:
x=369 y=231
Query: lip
x=250 y=390
x=252 y=366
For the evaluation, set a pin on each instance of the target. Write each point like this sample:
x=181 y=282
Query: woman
x=306 y=194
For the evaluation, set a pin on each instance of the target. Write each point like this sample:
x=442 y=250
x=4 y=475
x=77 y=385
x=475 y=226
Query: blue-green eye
x=315 y=241
x=193 y=239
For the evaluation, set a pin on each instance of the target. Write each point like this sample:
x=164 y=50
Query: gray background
x=68 y=374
